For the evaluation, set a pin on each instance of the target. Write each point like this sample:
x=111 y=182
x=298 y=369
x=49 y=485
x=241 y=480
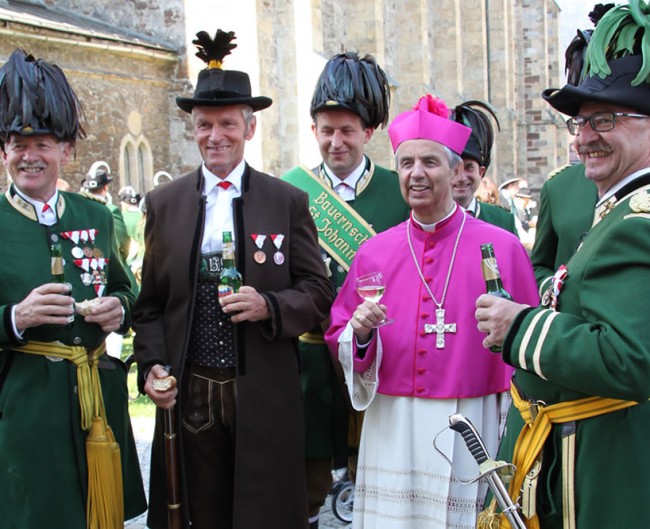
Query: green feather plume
x=624 y=30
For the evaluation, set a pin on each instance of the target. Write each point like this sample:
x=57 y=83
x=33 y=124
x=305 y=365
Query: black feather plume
x=35 y=97
x=575 y=56
x=577 y=49
x=212 y=51
x=476 y=116
x=598 y=12
x=358 y=85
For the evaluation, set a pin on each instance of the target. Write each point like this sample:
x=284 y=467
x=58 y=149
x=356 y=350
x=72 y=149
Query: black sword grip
x=463 y=426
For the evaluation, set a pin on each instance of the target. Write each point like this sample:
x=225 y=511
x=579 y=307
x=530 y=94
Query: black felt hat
x=217 y=87
x=355 y=84
x=616 y=89
x=98 y=175
x=35 y=98
x=128 y=195
x=615 y=71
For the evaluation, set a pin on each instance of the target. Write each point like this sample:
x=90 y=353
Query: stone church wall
x=504 y=52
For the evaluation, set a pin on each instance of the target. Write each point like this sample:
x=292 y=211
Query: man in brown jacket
x=238 y=400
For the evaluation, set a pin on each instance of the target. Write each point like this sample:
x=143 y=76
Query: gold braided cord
x=80 y=357
x=539 y=422
x=105 y=501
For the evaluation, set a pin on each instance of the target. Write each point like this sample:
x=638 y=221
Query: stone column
x=278 y=77
x=538 y=145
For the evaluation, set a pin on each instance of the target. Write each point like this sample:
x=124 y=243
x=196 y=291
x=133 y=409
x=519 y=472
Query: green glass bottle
x=58 y=274
x=493 y=283
x=230 y=279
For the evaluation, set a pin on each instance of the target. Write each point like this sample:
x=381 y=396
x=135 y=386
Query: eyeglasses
x=600 y=121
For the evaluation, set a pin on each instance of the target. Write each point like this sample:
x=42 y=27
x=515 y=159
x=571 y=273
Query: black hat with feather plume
x=35 y=98
x=474 y=114
x=617 y=64
x=355 y=84
x=217 y=87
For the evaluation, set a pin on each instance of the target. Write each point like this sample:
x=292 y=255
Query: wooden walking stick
x=173 y=492
x=171 y=455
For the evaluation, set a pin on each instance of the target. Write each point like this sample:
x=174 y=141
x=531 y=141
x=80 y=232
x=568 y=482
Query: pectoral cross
x=440 y=328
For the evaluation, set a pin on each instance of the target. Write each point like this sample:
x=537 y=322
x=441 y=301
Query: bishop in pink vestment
x=411 y=374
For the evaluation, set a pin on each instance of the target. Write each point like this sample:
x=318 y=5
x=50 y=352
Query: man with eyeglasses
x=599 y=121
x=582 y=358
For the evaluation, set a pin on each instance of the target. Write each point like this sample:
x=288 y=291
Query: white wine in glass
x=371 y=287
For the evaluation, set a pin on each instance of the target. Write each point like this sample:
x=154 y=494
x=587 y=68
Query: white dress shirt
x=346 y=188
x=218 y=207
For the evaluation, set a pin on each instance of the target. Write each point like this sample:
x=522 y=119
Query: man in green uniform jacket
x=133 y=217
x=49 y=395
x=134 y=221
x=582 y=359
x=567 y=198
x=345 y=116
x=566 y=211
x=476 y=160
x=95 y=187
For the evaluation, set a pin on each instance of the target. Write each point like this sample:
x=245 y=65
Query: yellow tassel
x=489 y=518
x=105 y=505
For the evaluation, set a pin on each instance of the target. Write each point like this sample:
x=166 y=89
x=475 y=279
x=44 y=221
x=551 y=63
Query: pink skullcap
x=429 y=120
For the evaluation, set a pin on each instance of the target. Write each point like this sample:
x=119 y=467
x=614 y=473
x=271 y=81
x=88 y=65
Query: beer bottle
x=58 y=275
x=230 y=279
x=493 y=283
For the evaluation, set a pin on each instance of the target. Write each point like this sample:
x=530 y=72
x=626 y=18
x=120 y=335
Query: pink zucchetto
x=429 y=120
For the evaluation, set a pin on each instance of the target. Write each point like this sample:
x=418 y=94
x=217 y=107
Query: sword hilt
x=462 y=425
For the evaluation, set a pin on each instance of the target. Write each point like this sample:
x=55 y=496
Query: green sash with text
x=341 y=230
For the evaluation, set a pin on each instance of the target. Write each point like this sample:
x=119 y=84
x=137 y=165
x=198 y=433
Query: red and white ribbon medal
x=94 y=273
x=87 y=238
x=259 y=256
x=278 y=257
x=557 y=284
x=99 y=275
x=74 y=236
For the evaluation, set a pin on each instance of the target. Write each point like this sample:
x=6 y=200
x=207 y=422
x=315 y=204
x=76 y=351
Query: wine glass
x=371 y=287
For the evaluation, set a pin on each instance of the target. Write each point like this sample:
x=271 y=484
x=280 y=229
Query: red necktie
x=224 y=184
x=46 y=207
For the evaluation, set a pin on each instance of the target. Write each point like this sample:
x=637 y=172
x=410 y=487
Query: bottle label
x=490 y=269
x=224 y=291
x=57 y=266
x=210 y=266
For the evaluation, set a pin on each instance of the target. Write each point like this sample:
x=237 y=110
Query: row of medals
x=88 y=251
x=260 y=257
